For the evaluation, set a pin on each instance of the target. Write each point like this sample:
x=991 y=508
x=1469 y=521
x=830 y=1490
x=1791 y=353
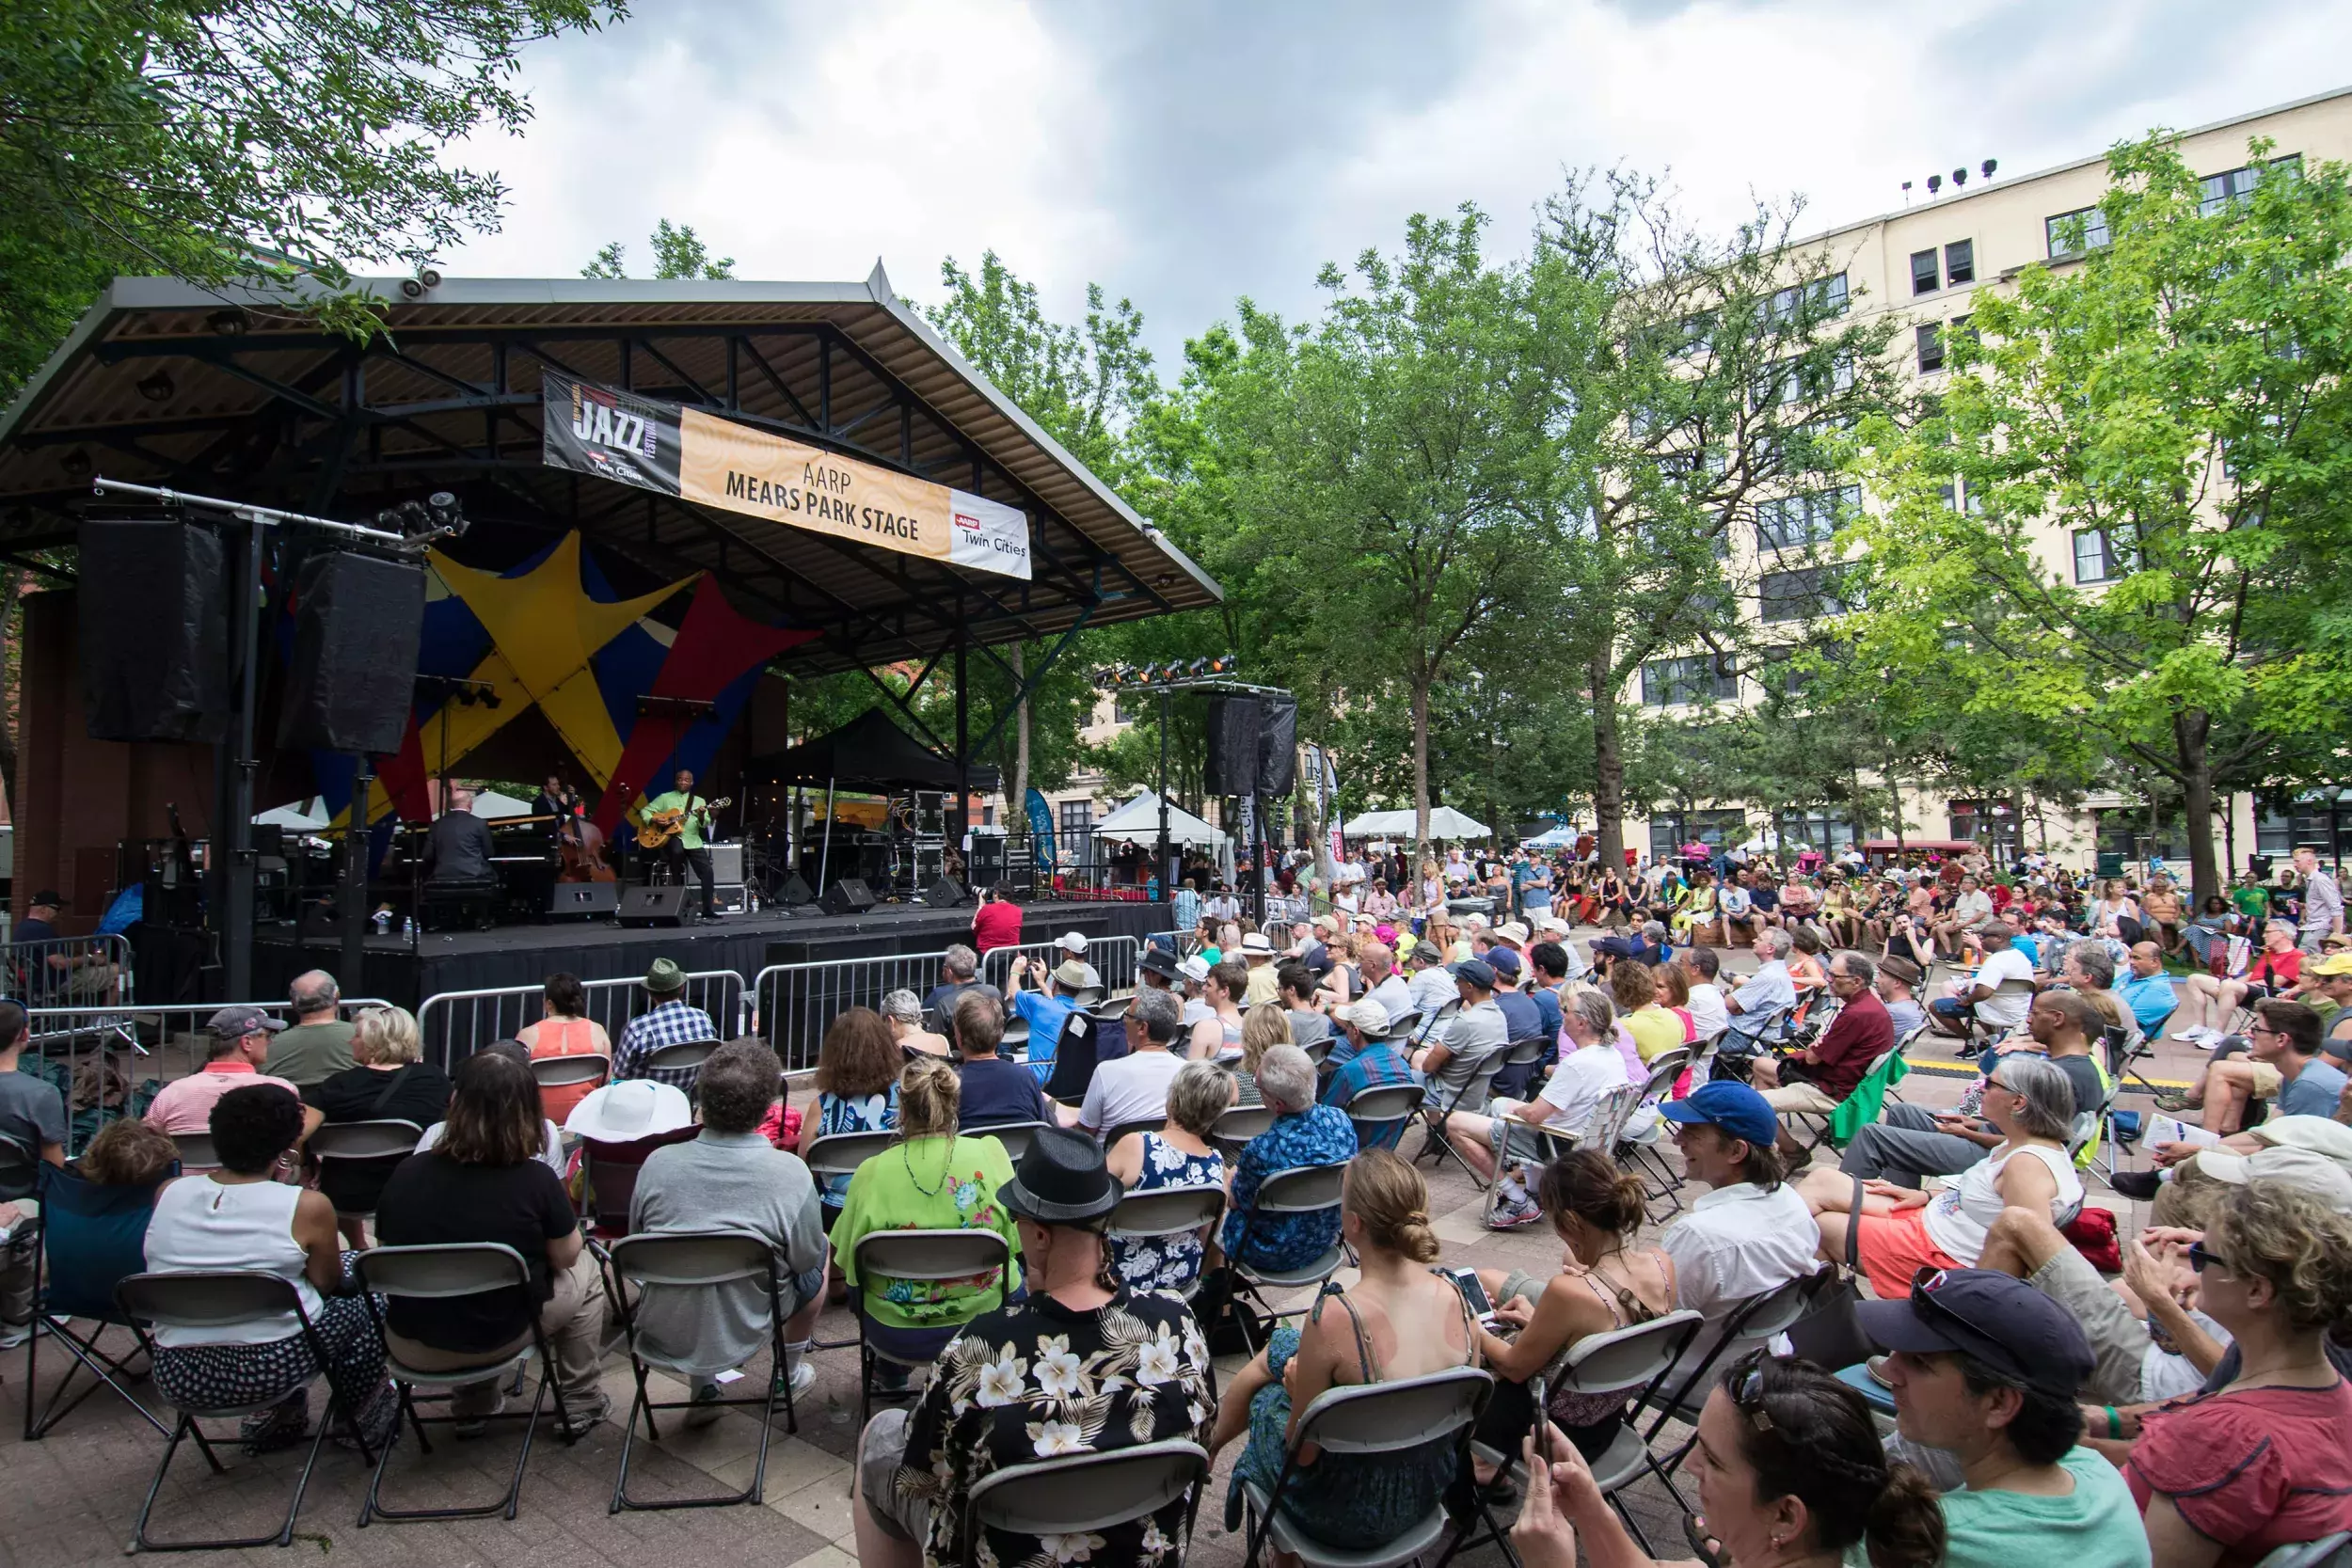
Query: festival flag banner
x=700 y=457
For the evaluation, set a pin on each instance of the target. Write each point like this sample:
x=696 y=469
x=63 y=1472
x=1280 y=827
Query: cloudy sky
x=1185 y=153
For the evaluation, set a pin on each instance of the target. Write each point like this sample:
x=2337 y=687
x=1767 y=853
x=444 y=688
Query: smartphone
x=1540 y=1394
x=1466 y=1281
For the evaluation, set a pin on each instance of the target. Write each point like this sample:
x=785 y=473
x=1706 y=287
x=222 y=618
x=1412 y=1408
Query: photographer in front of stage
x=997 y=922
x=686 y=843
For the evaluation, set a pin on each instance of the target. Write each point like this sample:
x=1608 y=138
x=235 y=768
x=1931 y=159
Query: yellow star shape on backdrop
x=544 y=629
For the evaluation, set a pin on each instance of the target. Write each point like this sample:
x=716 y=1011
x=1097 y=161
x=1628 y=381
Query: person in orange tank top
x=566 y=1031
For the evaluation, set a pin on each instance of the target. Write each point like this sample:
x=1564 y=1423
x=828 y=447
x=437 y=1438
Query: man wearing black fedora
x=1080 y=1365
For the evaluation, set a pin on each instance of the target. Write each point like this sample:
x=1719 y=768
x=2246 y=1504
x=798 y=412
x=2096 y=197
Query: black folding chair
x=691 y=1261
x=442 y=1273
x=1474 y=1089
x=346 y=1149
x=917 y=1255
x=208 y=1302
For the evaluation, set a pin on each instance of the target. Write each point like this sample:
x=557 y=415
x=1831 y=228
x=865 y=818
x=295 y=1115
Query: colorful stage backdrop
x=551 y=635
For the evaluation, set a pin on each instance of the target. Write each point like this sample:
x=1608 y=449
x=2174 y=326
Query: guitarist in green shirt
x=683 y=840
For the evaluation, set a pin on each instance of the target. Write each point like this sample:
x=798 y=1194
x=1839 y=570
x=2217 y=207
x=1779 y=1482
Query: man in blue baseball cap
x=1749 y=1233
x=1477 y=1031
x=1987 y=1369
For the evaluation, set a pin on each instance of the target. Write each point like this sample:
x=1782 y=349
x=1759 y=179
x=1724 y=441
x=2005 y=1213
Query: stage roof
x=234 y=395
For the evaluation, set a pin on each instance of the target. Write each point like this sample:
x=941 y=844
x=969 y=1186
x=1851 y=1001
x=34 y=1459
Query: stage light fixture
x=157 y=388
x=446 y=515
x=226 y=323
x=1935 y=183
x=1989 y=166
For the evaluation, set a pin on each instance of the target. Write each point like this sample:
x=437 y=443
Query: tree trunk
x=1608 y=764
x=1420 y=767
x=2191 y=730
x=1018 y=805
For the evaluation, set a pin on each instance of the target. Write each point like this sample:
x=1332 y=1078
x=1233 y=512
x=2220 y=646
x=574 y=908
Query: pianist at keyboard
x=457 y=849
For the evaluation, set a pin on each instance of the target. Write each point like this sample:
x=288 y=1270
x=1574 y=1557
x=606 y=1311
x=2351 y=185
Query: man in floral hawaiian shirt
x=1074 y=1367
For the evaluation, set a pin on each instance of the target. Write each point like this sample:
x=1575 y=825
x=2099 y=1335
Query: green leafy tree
x=2174 y=408
x=677 y=252
x=266 y=142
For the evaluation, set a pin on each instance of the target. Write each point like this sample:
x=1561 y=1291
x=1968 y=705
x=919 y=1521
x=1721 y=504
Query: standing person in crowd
x=1178 y=1154
x=32 y=1115
x=484 y=1182
x=1399 y=1320
x=2323 y=900
x=1817 y=1078
x=1790 y=1472
x=1258 y=976
x=938 y=1181
x=237 y=1042
x=390 y=1083
x=1606 y=1284
x=1750 y=1232
x=1112 y=1367
x=992 y=1089
x=670 y=1021
x=565 y=1029
x=1499 y=1141
x=318 y=1045
x=730 y=1178
x=859 y=1070
x=1303 y=1134
x=1134 y=1087
x=1985 y=1368
x=242 y=1216
x=2261 y=1458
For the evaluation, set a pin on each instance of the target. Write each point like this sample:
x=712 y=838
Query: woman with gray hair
x=1176 y=1155
x=904 y=1014
x=2031 y=1103
x=1303 y=1134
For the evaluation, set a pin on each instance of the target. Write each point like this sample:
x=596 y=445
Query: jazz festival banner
x=682 y=451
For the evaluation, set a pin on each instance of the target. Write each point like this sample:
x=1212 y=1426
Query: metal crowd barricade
x=34 y=980
x=457 y=1024
x=106 y=1059
x=1113 y=957
x=793 y=1004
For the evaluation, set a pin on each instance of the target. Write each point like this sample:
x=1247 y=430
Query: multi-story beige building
x=1925 y=264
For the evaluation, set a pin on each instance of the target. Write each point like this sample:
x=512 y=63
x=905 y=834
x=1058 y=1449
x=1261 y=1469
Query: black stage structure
x=240 y=394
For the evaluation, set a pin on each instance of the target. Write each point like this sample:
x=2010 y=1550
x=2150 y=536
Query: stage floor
x=603 y=949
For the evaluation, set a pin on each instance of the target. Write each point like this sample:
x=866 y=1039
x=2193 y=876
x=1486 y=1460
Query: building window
x=1717 y=829
x=1698 y=678
x=1126 y=708
x=1827 y=832
x=988 y=816
x=1929 y=338
x=1923 y=273
x=1077 y=827
x=2097 y=559
x=1960 y=263
x=2233 y=188
x=1793 y=522
x=1801 y=593
x=1826 y=296
x=2274 y=834
x=2071 y=234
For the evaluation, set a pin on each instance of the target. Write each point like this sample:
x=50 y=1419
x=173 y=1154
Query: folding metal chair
x=92 y=1238
x=1381 y=1114
x=196 y=1152
x=1168 y=1211
x=1111 y=1137
x=691 y=1261
x=442 y=1273
x=2328 y=1551
x=685 y=1056
x=1367 y=1419
x=207 y=1302
x=1081 y=1493
x=917 y=1255
x=563 y=1073
x=1434 y=1145
x=1753 y=1321
x=1239 y=1125
x=1298 y=1190
x=1014 y=1135
x=343 y=1149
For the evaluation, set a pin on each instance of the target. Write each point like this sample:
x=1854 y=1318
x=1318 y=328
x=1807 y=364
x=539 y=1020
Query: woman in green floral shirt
x=931 y=1179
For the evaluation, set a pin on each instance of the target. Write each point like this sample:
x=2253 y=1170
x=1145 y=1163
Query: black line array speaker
x=357 y=620
x=1278 y=745
x=1233 y=756
x=653 y=905
x=795 y=892
x=154 y=630
x=847 y=896
x=584 y=900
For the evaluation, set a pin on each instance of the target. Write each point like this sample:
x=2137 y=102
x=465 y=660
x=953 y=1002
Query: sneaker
x=2140 y=1184
x=2173 y=1102
x=280 y=1427
x=13 y=1335
x=474 y=1423
x=801 y=1378
x=706 y=1407
x=1512 y=1215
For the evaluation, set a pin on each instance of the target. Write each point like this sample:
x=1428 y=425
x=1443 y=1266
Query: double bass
x=580 y=842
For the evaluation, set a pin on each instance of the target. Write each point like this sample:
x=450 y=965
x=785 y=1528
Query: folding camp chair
x=1079 y=1494
x=445 y=1272
x=1399 y=1417
x=916 y=1255
x=92 y=1238
x=610 y=1173
x=214 y=1301
x=1836 y=1128
x=696 y=1260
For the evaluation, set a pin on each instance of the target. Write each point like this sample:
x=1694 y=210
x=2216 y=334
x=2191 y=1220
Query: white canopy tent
x=1140 y=819
x=1445 y=822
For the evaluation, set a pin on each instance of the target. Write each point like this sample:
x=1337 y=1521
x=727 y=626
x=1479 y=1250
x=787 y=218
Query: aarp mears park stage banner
x=700 y=457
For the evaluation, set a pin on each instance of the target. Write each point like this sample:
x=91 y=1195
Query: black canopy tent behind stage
x=868 y=751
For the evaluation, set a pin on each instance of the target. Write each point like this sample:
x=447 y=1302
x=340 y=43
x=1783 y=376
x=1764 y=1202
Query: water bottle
x=408 y=928
x=751 y=898
x=383 y=923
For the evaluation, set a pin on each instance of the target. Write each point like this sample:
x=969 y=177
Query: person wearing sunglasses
x=1986 y=1368
x=2264 y=1457
x=2282 y=1065
x=1790 y=1472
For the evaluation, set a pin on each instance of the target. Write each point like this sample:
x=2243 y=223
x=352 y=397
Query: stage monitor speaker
x=795 y=892
x=943 y=895
x=847 y=896
x=653 y=905
x=1278 y=746
x=154 y=630
x=586 y=900
x=352 y=679
x=1233 y=759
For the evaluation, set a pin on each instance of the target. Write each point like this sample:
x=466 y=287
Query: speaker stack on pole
x=154 y=630
x=357 y=621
